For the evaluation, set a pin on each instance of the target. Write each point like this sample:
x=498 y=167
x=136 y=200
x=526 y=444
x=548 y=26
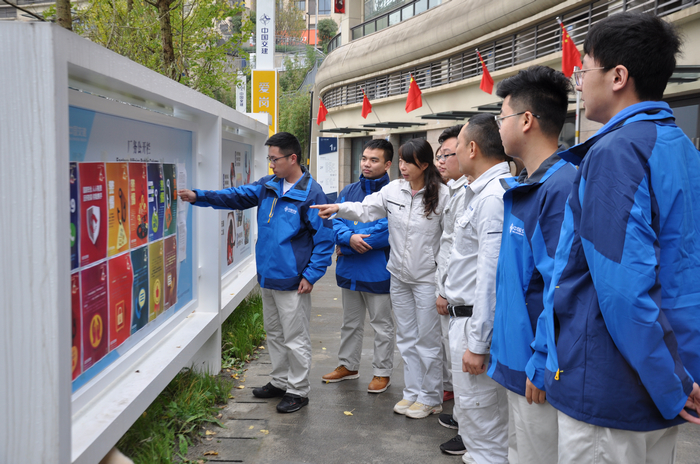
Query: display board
x=327 y=167
x=236 y=242
x=131 y=253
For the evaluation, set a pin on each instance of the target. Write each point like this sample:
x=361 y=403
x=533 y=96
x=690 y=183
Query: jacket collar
x=643 y=111
x=494 y=171
x=300 y=190
x=458 y=184
x=541 y=174
x=373 y=185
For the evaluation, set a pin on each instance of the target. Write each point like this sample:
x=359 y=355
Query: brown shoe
x=340 y=373
x=379 y=384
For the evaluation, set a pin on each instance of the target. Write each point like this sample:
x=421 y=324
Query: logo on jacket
x=290 y=210
x=517 y=230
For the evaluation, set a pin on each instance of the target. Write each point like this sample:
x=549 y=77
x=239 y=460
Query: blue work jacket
x=533 y=213
x=364 y=272
x=293 y=241
x=619 y=339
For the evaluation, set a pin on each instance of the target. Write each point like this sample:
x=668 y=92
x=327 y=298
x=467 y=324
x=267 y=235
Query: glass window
x=403 y=138
x=301 y=4
x=324 y=7
x=421 y=6
x=369 y=28
x=356 y=156
x=357 y=33
x=394 y=18
x=382 y=22
x=406 y=12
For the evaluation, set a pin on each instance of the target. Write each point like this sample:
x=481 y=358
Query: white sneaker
x=420 y=410
x=402 y=406
x=467 y=459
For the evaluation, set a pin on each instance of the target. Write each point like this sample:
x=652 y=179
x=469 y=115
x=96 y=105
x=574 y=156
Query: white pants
x=580 y=442
x=418 y=340
x=446 y=358
x=355 y=306
x=287 y=317
x=536 y=430
x=481 y=404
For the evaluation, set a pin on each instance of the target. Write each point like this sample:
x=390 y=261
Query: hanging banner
x=265 y=35
x=264 y=96
x=327 y=167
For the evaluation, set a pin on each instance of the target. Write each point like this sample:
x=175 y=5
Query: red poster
x=117 y=208
x=121 y=279
x=76 y=335
x=93 y=290
x=93 y=212
x=170 y=249
x=138 y=203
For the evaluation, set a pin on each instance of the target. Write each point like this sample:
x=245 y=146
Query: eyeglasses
x=275 y=160
x=578 y=74
x=499 y=119
x=444 y=157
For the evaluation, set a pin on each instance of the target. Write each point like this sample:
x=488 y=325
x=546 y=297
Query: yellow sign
x=265 y=96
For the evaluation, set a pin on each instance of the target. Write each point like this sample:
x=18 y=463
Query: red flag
x=414 y=100
x=570 y=55
x=322 y=112
x=486 y=79
x=366 y=105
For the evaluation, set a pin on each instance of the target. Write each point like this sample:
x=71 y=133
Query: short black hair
x=643 y=43
x=287 y=144
x=381 y=144
x=449 y=133
x=483 y=130
x=542 y=91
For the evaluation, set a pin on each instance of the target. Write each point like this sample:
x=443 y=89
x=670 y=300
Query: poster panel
x=156 y=201
x=170 y=197
x=76 y=336
x=327 y=167
x=74 y=223
x=155 y=279
x=236 y=161
x=170 y=252
x=138 y=203
x=93 y=212
x=121 y=279
x=94 y=315
x=139 y=262
x=117 y=208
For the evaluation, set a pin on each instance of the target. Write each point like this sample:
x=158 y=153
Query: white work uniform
x=481 y=403
x=452 y=211
x=414 y=241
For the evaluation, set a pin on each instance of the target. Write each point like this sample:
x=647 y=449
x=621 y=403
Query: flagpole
x=336 y=126
x=577 y=134
x=426 y=102
x=374 y=112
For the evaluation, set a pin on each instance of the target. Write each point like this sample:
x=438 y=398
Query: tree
x=289 y=20
x=327 y=29
x=63 y=14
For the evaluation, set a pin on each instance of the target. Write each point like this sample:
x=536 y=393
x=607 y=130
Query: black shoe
x=447 y=420
x=291 y=403
x=454 y=446
x=268 y=391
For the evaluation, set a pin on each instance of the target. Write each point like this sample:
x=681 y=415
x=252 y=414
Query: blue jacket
x=620 y=329
x=533 y=213
x=293 y=241
x=364 y=272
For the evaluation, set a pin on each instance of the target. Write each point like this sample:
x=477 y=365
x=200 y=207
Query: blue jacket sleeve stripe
x=243 y=197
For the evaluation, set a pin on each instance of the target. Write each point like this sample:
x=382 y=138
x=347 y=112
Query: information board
x=327 y=166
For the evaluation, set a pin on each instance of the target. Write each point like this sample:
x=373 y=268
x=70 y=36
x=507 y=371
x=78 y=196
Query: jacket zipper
x=272 y=210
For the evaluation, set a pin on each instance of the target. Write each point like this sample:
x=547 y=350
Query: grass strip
x=164 y=432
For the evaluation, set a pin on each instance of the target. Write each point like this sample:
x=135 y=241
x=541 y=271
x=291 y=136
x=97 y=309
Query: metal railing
x=525 y=45
x=334 y=43
x=392 y=17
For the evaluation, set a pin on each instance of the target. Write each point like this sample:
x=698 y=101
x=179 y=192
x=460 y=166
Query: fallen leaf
x=323 y=348
x=241 y=387
x=209 y=432
x=211 y=453
x=251 y=427
x=318 y=315
x=209 y=439
x=230 y=396
x=335 y=299
x=219 y=416
x=177 y=346
x=264 y=431
x=347 y=413
x=261 y=347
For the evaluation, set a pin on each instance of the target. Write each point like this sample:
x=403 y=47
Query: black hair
x=483 y=130
x=383 y=145
x=542 y=91
x=643 y=43
x=286 y=143
x=417 y=152
x=449 y=133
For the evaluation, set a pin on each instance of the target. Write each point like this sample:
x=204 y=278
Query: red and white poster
x=117 y=208
x=121 y=280
x=170 y=251
x=94 y=314
x=93 y=212
x=76 y=367
x=138 y=203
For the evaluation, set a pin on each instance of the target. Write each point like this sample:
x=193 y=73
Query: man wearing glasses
x=618 y=341
x=532 y=116
x=293 y=250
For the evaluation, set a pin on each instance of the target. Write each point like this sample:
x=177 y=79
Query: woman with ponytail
x=413 y=206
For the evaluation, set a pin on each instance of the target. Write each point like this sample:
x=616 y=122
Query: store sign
x=264 y=96
x=265 y=35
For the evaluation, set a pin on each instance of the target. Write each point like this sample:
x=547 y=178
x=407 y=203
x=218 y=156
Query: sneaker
x=291 y=403
x=339 y=374
x=448 y=420
x=454 y=446
x=448 y=395
x=402 y=406
x=379 y=384
x=420 y=410
x=467 y=458
x=268 y=391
